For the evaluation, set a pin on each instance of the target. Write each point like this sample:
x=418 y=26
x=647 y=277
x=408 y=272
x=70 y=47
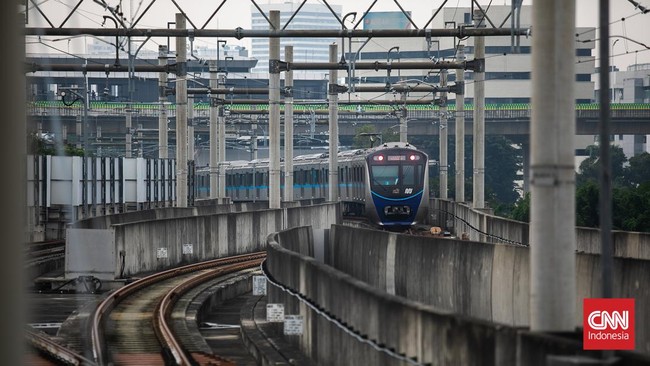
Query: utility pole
x=190 y=128
x=403 y=127
x=274 y=113
x=129 y=134
x=288 y=127
x=333 y=129
x=460 y=129
x=444 y=165
x=478 y=200
x=181 y=115
x=552 y=224
x=162 y=107
x=214 y=113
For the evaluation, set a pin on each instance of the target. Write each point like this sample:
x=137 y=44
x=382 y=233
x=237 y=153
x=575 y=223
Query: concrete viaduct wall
x=455 y=303
x=435 y=301
x=115 y=247
x=484 y=281
x=482 y=226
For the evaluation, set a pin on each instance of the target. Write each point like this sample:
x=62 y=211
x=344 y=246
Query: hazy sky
x=236 y=13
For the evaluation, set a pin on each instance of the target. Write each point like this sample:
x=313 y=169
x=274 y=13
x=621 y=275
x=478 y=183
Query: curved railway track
x=133 y=325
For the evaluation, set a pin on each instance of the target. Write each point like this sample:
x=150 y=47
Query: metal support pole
x=288 y=128
x=333 y=130
x=129 y=134
x=181 y=115
x=552 y=225
x=444 y=164
x=605 y=195
x=274 y=114
x=86 y=123
x=190 y=128
x=162 y=99
x=460 y=131
x=214 y=114
x=403 y=126
x=478 y=201
x=221 y=141
x=79 y=132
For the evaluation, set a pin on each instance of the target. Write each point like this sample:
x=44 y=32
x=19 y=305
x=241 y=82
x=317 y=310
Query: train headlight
x=414 y=157
x=378 y=158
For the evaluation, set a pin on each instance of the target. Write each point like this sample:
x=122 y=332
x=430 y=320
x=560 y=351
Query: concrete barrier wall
x=486 y=281
x=416 y=331
x=481 y=226
x=158 y=239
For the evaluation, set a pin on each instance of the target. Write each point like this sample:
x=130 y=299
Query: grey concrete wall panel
x=467 y=220
x=90 y=253
x=319 y=216
x=139 y=238
x=407 y=327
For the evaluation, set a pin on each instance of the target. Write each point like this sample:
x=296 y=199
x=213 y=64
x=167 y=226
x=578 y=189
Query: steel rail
x=45 y=345
x=105 y=307
x=240 y=33
x=166 y=305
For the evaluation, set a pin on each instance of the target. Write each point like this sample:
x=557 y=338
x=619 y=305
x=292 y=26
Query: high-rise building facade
x=312 y=16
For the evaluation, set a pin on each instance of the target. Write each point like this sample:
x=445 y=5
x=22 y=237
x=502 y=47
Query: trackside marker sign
x=608 y=324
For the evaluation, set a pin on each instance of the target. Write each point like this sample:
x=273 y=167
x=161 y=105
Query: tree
x=521 y=210
x=42 y=146
x=362 y=139
x=590 y=167
x=587 y=204
x=638 y=172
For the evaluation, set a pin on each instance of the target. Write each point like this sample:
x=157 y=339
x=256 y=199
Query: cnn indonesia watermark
x=608 y=324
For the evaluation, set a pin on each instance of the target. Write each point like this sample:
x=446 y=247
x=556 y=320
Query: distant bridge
x=423 y=119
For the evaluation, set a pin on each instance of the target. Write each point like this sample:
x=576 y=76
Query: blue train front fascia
x=412 y=201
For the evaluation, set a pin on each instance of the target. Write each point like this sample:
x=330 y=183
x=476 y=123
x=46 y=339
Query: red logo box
x=608 y=324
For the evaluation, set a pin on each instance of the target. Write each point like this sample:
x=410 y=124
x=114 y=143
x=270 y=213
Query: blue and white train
x=388 y=184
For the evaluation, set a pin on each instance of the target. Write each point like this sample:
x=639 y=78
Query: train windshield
x=392 y=175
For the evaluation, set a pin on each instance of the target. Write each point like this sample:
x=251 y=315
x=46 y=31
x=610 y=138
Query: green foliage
x=587 y=204
x=521 y=209
x=361 y=141
x=42 y=146
x=630 y=192
x=590 y=167
x=638 y=172
x=502 y=161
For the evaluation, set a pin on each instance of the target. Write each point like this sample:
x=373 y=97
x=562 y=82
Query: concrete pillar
x=274 y=113
x=128 y=148
x=14 y=189
x=334 y=129
x=163 y=139
x=221 y=141
x=460 y=130
x=288 y=128
x=478 y=201
x=181 y=115
x=552 y=225
x=214 y=114
x=444 y=164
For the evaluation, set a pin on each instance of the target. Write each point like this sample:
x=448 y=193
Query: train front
x=397 y=177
